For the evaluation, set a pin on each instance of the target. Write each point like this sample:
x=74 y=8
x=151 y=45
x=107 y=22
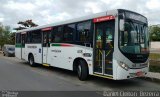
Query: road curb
x=150 y=79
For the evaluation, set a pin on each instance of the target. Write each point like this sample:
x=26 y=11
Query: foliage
x=154 y=33
x=6 y=37
x=154 y=62
x=25 y=24
x=12 y=38
x=154 y=56
x=154 y=68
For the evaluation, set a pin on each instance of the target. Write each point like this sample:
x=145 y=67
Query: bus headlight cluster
x=124 y=66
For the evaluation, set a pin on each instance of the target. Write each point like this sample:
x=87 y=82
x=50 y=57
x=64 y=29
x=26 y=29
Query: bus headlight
x=124 y=66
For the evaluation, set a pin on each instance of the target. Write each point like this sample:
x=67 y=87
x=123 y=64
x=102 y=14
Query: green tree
x=25 y=24
x=154 y=33
x=5 y=34
x=12 y=38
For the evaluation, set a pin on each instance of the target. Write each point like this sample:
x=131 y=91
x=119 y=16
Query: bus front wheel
x=82 y=70
x=31 y=61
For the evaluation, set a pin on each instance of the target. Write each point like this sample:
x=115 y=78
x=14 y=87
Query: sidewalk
x=153 y=75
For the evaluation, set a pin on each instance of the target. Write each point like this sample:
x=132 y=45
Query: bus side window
x=18 y=37
x=36 y=36
x=83 y=29
x=57 y=34
x=23 y=36
x=69 y=32
x=28 y=38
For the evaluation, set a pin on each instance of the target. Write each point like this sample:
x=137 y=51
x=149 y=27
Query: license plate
x=140 y=73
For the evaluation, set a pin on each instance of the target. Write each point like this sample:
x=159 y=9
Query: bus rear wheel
x=82 y=70
x=31 y=61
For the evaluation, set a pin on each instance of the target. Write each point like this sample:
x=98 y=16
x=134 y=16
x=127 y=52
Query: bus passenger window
x=18 y=37
x=44 y=40
x=57 y=34
x=68 y=32
x=57 y=38
x=50 y=38
x=84 y=31
x=35 y=36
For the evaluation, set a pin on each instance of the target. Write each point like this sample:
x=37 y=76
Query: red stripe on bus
x=104 y=18
x=46 y=29
x=66 y=45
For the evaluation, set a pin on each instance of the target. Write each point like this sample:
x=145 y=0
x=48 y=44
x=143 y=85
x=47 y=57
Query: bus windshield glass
x=134 y=39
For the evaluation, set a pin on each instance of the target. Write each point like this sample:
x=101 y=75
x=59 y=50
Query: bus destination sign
x=135 y=16
x=104 y=18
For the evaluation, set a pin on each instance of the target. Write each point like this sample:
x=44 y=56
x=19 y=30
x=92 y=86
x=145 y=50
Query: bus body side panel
x=26 y=53
x=23 y=53
x=18 y=52
x=36 y=50
x=46 y=55
x=64 y=56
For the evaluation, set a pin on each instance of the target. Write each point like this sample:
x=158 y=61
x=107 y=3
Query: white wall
x=155 y=45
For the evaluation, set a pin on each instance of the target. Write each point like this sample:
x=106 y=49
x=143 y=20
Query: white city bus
x=112 y=44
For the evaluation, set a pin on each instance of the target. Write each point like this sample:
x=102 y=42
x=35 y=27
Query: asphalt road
x=17 y=75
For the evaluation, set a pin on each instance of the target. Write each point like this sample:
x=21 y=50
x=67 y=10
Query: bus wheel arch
x=81 y=67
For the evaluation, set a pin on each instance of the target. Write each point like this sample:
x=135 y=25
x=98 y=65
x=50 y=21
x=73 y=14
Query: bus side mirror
x=121 y=25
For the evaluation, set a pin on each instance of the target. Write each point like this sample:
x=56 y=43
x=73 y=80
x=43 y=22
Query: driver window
x=125 y=38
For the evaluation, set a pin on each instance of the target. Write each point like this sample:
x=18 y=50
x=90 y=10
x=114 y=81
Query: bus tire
x=31 y=61
x=82 y=70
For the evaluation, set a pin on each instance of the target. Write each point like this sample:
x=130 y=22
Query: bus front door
x=104 y=48
x=45 y=46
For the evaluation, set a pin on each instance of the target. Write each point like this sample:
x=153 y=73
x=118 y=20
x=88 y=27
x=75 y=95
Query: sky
x=50 y=11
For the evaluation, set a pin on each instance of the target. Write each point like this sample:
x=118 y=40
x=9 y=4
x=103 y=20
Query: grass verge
x=154 y=56
x=154 y=68
x=154 y=62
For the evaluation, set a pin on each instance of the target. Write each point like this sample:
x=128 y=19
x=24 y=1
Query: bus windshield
x=134 y=39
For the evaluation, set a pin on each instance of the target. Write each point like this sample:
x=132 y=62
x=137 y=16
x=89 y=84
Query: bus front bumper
x=131 y=73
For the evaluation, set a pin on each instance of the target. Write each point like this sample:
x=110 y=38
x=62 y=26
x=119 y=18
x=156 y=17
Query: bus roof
x=110 y=12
